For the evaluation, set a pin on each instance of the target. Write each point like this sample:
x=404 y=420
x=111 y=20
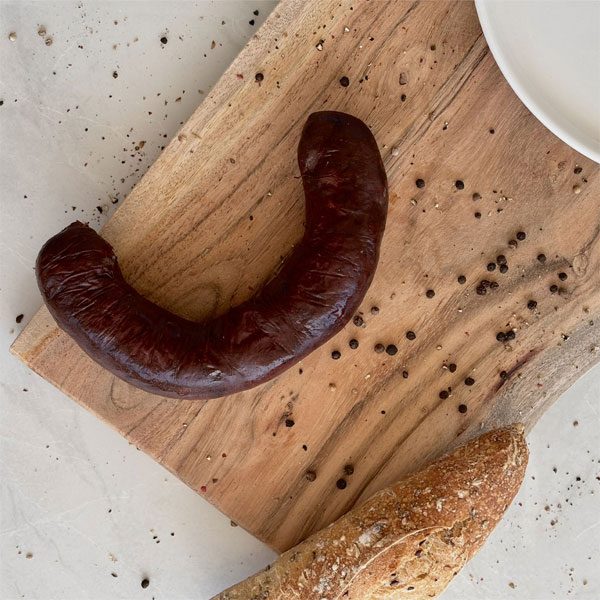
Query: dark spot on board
x=341 y=484
x=403 y=98
x=115 y=74
x=405 y=374
x=289 y=423
x=19 y=318
x=114 y=574
x=432 y=47
x=251 y=22
x=492 y=131
x=255 y=13
x=145 y=582
x=163 y=40
x=304 y=447
x=344 y=81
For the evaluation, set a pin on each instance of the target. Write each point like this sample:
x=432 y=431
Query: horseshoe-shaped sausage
x=318 y=289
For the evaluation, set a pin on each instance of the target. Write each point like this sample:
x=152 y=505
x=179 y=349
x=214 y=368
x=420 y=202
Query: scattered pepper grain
x=391 y=349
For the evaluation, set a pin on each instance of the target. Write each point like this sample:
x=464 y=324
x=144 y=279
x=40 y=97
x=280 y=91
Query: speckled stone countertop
x=90 y=92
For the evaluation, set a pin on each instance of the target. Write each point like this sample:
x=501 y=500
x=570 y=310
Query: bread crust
x=408 y=540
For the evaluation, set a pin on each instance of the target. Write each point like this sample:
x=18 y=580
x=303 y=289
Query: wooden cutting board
x=221 y=207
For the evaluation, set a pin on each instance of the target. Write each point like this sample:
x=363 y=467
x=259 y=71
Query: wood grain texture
x=422 y=78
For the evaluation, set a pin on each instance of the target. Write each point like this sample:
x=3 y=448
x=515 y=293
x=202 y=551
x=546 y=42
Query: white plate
x=549 y=52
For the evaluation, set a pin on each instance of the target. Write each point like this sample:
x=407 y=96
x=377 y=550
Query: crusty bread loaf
x=407 y=541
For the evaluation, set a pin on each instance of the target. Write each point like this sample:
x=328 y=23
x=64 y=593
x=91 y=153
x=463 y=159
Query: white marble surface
x=80 y=504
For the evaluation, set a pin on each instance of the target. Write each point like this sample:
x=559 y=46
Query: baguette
x=408 y=540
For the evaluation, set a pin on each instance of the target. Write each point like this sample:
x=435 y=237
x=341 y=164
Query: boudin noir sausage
x=318 y=289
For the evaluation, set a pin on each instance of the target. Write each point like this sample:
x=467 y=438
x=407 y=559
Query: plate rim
x=528 y=100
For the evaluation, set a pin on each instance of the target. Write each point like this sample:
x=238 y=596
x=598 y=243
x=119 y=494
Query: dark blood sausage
x=317 y=291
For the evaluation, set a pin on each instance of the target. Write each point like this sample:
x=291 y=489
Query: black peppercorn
x=310 y=475
x=484 y=283
x=420 y=183
x=503 y=268
x=501 y=259
x=553 y=289
x=477 y=215
x=379 y=348
x=430 y=293
x=348 y=470
x=500 y=336
x=541 y=258
x=259 y=77
x=532 y=305
x=411 y=335
x=374 y=310
x=163 y=40
x=344 y=81
x=391 y=349
x=562 y=276
x=443 y=395
x=494 y=285
x=459 y=184
x=521 y=235
x=452 y=368
x=405 y=374
x=469 y=381
x=513 y=243
x=503 y=375
x=353 y=344
x=510 y=335
x=358 y=321
x=481 y=290
x=289 y=423
x=462 y=279
x=145 y=583
x=491 y=267
x=341 y=484
x=336 y=354
x=462 y=408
